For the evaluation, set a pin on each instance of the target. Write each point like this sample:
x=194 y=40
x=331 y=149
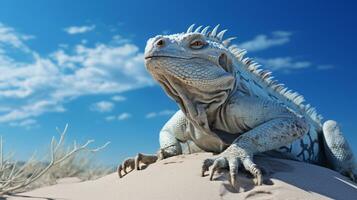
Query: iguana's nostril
x=160 y=43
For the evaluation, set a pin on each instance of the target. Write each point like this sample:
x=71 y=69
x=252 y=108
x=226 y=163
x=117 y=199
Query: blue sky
x=81 y=62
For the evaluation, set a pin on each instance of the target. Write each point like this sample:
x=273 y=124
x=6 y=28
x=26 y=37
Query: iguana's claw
x=205 y=166
x=134 y=163
x=230 y=161
x=129 y=162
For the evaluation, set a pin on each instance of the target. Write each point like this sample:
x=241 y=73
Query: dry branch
x=14 y=177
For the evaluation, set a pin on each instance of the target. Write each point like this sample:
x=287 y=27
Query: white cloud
x=79 y=29
x=160 y=113
x=261 y=42
x=120 y=117
x=110 y=118
x=123 y=116
x=9 y=37
x=285 y=64
x=104 y=68
x=50 y=81
x=102 y=106
x=63 y=46
x=84 y=41
x=118 y=98
x=31 y=110
x=27 y=123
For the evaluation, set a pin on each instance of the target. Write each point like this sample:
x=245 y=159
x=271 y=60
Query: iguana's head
x=192 y=66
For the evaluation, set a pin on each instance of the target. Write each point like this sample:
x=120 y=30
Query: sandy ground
x=179 y=178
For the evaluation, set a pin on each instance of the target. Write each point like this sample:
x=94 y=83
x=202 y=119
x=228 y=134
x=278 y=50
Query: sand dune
x=179 y=178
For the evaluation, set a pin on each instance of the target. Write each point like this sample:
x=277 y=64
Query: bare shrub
x=63 y=162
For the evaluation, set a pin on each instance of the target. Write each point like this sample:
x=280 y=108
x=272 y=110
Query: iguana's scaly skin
x=231 y=107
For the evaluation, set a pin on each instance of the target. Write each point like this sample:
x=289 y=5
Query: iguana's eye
x=197 y=44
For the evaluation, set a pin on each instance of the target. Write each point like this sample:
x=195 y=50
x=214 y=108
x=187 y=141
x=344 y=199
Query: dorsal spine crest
x=263 y=76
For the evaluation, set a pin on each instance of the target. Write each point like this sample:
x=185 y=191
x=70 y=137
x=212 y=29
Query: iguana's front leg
x=170 y=134
x=267 y=136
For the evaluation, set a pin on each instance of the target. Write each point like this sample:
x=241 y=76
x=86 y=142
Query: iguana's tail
x=337 y=150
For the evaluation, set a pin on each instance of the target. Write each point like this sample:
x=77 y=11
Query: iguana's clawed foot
x=128 y=163
x=134 y=163
x=231 y=159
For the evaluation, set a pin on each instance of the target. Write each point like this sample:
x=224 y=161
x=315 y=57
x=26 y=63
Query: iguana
x=231 y=107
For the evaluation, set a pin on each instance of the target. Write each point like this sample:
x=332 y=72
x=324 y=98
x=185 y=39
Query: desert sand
x=179 y=178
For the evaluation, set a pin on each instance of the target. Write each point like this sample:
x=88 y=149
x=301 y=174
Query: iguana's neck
x=200 y=107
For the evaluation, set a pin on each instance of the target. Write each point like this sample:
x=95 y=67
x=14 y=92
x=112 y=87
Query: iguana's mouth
x=164 y=56
x=159 y=56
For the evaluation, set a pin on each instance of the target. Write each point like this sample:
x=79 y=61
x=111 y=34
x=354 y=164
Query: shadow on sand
x=333 y=186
